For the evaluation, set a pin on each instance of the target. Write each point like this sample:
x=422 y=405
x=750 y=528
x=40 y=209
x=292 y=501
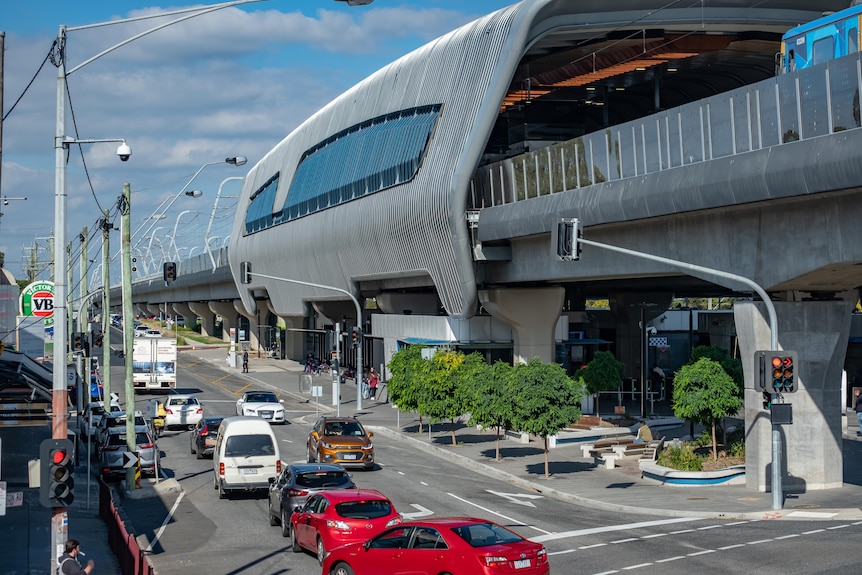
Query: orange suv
x=341 y=440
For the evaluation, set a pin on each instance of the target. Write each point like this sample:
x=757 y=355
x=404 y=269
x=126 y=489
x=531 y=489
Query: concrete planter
x=734 y=475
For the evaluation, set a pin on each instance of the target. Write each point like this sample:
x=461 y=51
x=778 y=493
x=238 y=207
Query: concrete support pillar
x=533 y=315
x=206 y=315
x=293 y=340
x=185 y=311
x=228 y=317
x=812 y=445
x=255 y=334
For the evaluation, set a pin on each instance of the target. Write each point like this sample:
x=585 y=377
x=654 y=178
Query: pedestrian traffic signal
x=56 y=464
x=564 y=240
x=245 y=272
x=767 y=400
x=777 y=371
x=169 y=271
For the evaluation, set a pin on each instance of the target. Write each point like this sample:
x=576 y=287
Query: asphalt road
x=196 y=532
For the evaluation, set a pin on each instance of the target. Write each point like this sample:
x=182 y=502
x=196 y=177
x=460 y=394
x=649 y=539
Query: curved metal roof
x=537 y=62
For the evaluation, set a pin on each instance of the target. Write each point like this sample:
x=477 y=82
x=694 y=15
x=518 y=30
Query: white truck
x=154 y=363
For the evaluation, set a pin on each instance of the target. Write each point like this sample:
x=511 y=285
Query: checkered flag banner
x=658 y=342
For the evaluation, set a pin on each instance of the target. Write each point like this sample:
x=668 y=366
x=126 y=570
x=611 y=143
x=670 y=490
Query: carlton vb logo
x=37 y=300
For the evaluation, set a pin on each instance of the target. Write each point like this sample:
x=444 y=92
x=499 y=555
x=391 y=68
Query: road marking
x=485 y=509
x=727 y=547
x=630 y=567
x=670 y=559
x=813 y=532
x=610 y=528
x=164 y=524
x=423 y=512
x=516 y=497
x=696 y=553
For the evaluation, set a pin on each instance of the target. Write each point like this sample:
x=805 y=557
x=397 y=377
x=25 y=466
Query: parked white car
x=183 y=410
x=263 y=404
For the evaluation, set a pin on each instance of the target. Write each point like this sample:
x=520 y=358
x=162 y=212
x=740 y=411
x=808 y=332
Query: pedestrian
x=373 y=380
x=67 y=564
x=245 y=361
x=857 y=407
x=644 y=434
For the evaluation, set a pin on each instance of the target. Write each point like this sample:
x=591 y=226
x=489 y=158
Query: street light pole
x=359 y=367
x=59 y=517
x=212 y=217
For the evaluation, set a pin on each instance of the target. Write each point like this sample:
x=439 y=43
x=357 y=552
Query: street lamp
x=212 y=217
x=174 y=235
x=59 y=426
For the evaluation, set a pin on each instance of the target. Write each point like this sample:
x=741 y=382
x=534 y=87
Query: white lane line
x=567 y=551
x=727 y=547
x=838 y=527
x=813 y=532
x=791 y=536
x=681 y=532
x=624 y=540
x=759 y=542
x=592 y=546
x=735 y=523
x=654 y=535
x=607 y=572
x=710 y=527
x=497 y=514
x=705 y=552
x=164 y=525
x=678 y=557
x=610 y=528
x=630 y=567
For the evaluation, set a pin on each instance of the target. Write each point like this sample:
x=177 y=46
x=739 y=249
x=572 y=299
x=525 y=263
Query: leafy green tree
x=408 y=372
x=704 y=392
x=603 y=373
x=490 y=404
x=446 y=391
x=731 y=365
x=544 y=398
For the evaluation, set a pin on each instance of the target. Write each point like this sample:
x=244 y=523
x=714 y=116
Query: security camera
x=5 y=202
x=125 y=152
x=651 y=330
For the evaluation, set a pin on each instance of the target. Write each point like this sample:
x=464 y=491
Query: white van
x=246 y=455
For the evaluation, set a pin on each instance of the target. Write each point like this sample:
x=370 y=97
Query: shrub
x=681 y=458
x=737 y=448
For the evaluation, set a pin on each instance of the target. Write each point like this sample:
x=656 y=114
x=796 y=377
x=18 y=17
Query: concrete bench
x=650 y=452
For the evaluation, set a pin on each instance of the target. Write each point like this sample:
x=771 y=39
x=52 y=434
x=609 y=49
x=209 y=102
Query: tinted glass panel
x=243 y=445
x=322 y=479
x=364 y=509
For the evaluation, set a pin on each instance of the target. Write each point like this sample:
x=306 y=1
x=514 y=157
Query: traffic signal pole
x=777 y=490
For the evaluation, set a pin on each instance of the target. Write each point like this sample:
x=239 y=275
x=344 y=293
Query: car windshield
x=245 y=445
x=261 y=398
x=141 y=438
x=183 y=401
x=322 y=479
x=344 y=428
x=485 y=534
x=97 y=410
x=364 y=509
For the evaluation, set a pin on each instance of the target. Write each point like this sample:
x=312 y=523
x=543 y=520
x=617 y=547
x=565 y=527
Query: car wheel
x=273 y=520
x=199 y=454
x=222 y=494
x=286 y=530
x=342 y=569
x=321 y=550
x=294 y=544
x=192 y=447
x=309 y=456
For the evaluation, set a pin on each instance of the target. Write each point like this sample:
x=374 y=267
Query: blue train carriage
x=832 y=36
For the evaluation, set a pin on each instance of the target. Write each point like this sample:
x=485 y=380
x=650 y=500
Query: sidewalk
x=571 y=477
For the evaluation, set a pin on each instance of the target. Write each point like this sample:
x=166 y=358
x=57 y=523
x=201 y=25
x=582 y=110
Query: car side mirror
x=281 y=401
x=370 y=434
x=271 y=480
x=297 y=509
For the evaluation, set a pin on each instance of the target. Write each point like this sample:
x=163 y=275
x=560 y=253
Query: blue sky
x=230 y=83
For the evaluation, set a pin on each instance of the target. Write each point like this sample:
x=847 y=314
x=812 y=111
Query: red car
x=441 y=545
x=330 y=519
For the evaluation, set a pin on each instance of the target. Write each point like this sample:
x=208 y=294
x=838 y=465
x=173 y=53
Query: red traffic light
x=59 y=456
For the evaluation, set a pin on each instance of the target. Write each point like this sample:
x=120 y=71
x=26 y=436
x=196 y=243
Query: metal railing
x=807 y=104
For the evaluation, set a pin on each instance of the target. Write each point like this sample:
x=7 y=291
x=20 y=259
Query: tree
x=704 y=392
x=731 y=365
x=408 y=371
x=444 y=393
x=544 y=398
x=603 y=373
x=489 y=402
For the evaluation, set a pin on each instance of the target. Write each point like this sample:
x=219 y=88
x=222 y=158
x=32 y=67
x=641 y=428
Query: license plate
x=522 y=563
x=254 y=472
x=350 y=456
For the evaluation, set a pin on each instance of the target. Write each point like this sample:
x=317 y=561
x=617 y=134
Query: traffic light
x=245 y=272
x=564 y=239
x=354 y=336
x=767 y=400
x=78 y=341
x=56 y=483
x=169 y=271
x=134 y=264
x=777 y=371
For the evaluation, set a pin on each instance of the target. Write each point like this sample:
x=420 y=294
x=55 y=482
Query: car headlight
x=368 y=447
x=326 y=445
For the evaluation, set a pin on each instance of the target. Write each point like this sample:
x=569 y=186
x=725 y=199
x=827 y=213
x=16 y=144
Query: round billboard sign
x=37 y=300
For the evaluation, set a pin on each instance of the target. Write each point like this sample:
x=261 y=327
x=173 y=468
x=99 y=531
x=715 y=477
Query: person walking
x=245 y=361
x=857 y=407
x=67 y=564
x=373 y=380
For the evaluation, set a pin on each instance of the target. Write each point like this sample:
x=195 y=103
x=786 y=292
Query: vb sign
x=37 y=299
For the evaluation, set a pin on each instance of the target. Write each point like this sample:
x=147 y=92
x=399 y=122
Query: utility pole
x=84 y=312
x=106 y=302
x=70 y=305
x=128 y=323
